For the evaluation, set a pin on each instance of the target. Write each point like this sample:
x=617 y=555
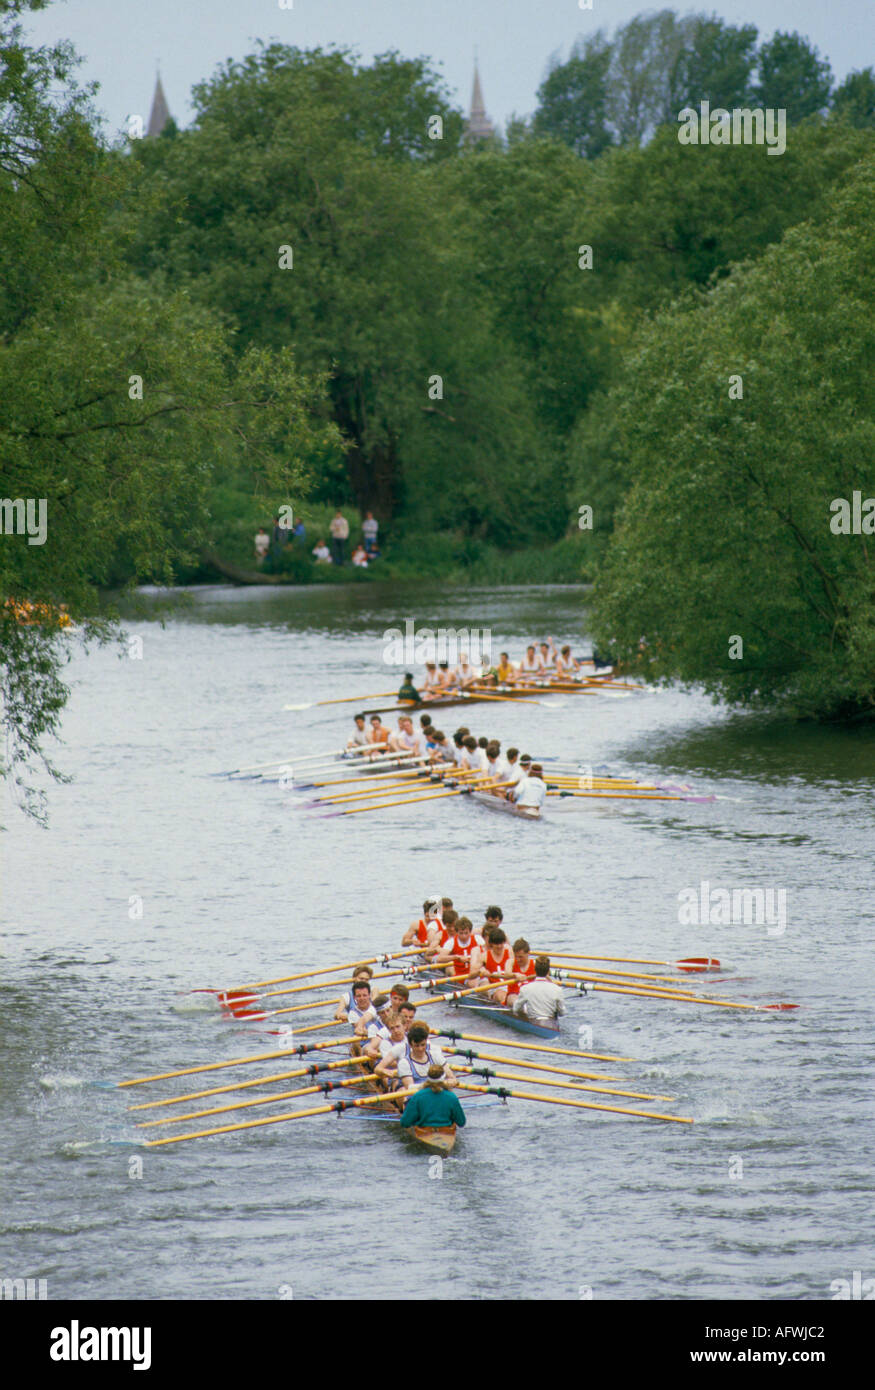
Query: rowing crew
x=449 y=943
x=510 y=775
x=539 y=664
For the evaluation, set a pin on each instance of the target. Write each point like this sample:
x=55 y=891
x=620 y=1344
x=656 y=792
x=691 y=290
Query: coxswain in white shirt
x=532 y=792
x=425 y=930
x=542 y=1000
x=360 y=734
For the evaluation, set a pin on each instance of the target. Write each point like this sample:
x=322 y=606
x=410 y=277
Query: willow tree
x=743 y=559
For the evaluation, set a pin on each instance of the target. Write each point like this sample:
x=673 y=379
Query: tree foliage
x=726 y=530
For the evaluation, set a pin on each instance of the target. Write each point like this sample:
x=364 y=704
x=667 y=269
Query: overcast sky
x=123 y=41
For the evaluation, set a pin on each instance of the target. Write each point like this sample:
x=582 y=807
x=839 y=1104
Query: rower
x=420 y=1054
x=431 y=687
x=406 y=740
x=382 y=1037
x=442 y=750
x=445 y=676
x=497 y=765
x=542 y=1000
x=378 y=733
x=474 y=757
x=464 y=674
x=455 y=955
x=362 y=1009
x=392 y=1051
x=505 y=672
x=363 y=974
x=530 y=664
x=459 y=745
x=547 y=656
x=532 y=792
x=424 y=931
x=359 y=737
x=567 y=666
x=493 y=917
x=434 y=1107
x=523 y=968
x=494 y=960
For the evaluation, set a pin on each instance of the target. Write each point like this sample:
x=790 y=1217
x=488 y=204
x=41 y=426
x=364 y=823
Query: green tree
x=715 y=64
x=792 y=76
x=727 y=530
x=573 y=98
x=854 y=99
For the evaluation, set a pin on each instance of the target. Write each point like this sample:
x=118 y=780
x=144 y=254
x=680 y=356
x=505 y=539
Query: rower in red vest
x=494 y=960
x=523 y=968
x=456 y=953
x=426 y=931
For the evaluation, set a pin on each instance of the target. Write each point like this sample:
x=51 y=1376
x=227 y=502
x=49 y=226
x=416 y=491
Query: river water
x=155 y=878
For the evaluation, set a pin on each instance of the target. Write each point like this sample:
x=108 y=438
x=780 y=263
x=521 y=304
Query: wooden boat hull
x=441 y=1141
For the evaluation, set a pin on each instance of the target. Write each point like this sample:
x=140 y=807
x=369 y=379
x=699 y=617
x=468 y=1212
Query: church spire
x=478 y=125
x=160 y=113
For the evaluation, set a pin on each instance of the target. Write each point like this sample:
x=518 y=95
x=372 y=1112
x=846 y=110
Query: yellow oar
x=312 y=1070
x=704 y=962
x=248 y=1104
x=578 y=1104
x=487 y=1072
x=344 y=700
x=233 y=1062
x=407 y=801
x=308 y=974
x=337 y=1105
x=557 y=1071
x=679 y=998
x=528 y=1047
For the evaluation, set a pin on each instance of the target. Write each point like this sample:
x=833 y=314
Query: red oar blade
x=696 y=964
x=779 y=1007
x=231 y=997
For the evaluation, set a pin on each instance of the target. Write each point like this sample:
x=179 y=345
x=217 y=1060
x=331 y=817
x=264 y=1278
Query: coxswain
x=424 y=931
x=435 y=1106
x=532 y=792
x=523 y=967
x=408 y=690
x=360 y=735
x=542 y=1000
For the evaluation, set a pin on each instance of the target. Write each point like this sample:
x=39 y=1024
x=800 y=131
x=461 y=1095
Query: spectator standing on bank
x=262 y=545
x=339 y=529
x=299 y=531
x=370 y=527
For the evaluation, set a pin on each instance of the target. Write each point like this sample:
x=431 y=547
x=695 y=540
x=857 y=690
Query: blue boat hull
x=501 y=1014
